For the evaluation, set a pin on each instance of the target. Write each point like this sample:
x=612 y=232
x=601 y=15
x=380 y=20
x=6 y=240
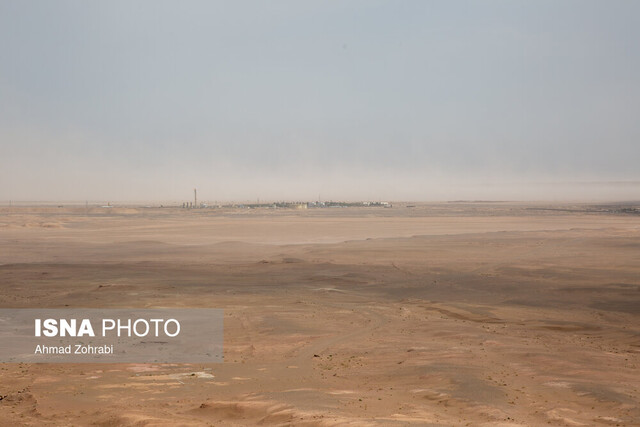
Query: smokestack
x=195 y=198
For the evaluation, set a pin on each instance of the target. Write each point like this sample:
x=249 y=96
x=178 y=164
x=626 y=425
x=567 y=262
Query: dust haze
x=416 y=213
x=355 y=100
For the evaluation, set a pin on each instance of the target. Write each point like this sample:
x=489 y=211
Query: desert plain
x=478 y=314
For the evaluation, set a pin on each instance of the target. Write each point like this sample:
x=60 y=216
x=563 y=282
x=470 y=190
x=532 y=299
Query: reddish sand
x=443 y=314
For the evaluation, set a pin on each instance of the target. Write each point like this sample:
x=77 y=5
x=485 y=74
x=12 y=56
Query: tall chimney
x=195 y=198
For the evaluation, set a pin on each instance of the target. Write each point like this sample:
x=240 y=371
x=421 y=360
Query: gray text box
x=163 y=335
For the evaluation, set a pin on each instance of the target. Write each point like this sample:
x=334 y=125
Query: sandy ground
x=445 y=314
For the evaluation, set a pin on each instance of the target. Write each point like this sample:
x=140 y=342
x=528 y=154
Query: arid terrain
x=472 y=314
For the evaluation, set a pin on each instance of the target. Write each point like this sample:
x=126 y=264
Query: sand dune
x=447 y=314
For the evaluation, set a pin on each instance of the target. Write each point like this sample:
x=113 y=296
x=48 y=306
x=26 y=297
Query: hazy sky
x=423 y=100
